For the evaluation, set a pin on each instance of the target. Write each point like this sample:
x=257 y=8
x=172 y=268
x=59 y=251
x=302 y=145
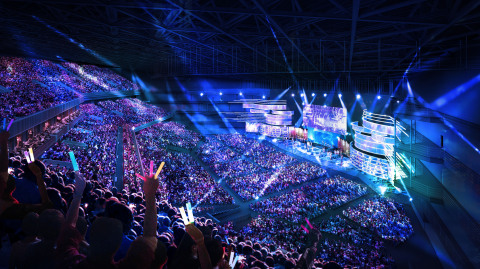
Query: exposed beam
x=272 y=21
x=391 y=7
x=220 y=30
x=245 y=11
x=465 y=11
x=356 y=8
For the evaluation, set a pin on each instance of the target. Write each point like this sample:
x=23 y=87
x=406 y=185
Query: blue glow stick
x=190 y=212
x=74 y=161
x=4 y=123
x=10 y=124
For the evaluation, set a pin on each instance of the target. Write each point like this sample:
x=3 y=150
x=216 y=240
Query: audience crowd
x=256 y=185
x=53 y=217
x=28 y=86
x=384 y=216
x=212 y=151
x=310 y=201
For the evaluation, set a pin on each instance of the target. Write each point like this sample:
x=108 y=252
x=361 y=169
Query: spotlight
x=303 y=103
x=221 y=93
x=383 y=189
x=256 y=197
x=293 y=95
x=358 y=96
x=379 y=97
x=324 y=105
x=263 y=97
x=241 y=94
x=201 y=94
x=301 y=95
x=398 y=102
x=324 y=95
x=411 y=199
x=133 y=128
x=313 y=94
x=339 y=95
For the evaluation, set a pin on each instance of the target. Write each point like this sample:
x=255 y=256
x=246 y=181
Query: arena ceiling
x=252 y=38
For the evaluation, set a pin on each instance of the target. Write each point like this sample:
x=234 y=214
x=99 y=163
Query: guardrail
x=23 y=124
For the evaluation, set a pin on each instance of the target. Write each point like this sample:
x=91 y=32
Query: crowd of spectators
x=312 y=200
x=134 y=111
x=98 y=133
x=166 y=134
x=103 y=78
x=238 y=142
x=212 y=151
x=35 y=140
x=235 y=168
x=28 y=86
x=183 y=179
x=384 y=216
x=342 y=228
x=258 y=184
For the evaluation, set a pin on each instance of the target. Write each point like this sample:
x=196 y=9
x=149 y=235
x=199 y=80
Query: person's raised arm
x=72 y=213
x=40 y=183
x=150 y=186
x=197 y=236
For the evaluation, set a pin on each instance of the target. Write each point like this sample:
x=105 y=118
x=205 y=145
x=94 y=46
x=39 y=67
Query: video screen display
x=329 y=119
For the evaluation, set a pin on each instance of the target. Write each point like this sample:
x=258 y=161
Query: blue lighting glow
x=358 y=96
x=293 y=95
x=241 y=94
x=301 y=95
x=324 y=95
x=339 y=95
x=313 y=94
x=379 y=97
x=221 y=93
x=201 y=94
x=263 y=97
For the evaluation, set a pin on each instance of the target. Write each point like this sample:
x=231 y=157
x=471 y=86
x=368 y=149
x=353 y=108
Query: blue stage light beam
x=225 y=120
x=299 y=122
x=451 y=95
x=282 y=93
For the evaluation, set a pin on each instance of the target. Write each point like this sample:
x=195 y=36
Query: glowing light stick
x=231 y=258
x=309 y=224
x=151 y=168
x=235 y=261
x=159 y=170
x=74 y=161
x=232 y=262
x=190 y=212
x=9 y=125
x=184 y=216
x=4 y=123
x=27 y=157
x=140 y=176
x=305 y=229
x=32 y=157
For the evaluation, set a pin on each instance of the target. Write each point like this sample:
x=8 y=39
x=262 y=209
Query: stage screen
x=329 y=119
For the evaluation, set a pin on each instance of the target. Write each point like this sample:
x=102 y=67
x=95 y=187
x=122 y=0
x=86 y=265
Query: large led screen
x=330 y=119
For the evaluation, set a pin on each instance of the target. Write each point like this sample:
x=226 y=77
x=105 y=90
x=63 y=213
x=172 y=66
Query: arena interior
x=243 y=134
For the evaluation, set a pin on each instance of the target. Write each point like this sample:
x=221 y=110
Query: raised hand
x=150 y=186
x=80 y=183
x=195 y=233
x=35 y=170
